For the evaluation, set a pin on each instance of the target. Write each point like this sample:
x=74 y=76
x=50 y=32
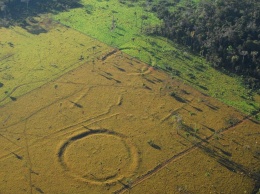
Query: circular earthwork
x=98 y=156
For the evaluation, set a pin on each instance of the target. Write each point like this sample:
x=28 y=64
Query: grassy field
x=121 y=126
x=28 y=60
x=79 y=116
x=121 y=25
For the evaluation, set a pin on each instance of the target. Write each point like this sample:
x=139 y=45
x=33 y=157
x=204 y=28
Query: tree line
x=225 y=32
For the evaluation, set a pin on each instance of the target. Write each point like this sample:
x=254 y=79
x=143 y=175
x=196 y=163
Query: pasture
x=117 y=125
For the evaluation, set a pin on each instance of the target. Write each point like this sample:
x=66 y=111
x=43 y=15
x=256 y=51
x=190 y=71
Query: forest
x=226 y=33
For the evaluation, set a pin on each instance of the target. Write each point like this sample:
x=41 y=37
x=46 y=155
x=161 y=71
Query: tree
x=143 y=17
x=243 y=53
x=93 y=49
x=3 y=8
x=254 y=54
x=113 y=25
x=135 y=18
x=178 y=122
x=27 y=2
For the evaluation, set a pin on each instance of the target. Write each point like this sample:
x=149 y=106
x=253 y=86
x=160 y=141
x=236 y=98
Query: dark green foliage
x=227 y=33
x=232 y=121
x=89 y=8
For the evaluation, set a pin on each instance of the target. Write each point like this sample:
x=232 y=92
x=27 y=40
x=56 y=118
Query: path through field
x=113 y=124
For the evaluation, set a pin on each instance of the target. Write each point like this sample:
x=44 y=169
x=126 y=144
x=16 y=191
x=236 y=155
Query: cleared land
x=28 y=60
x=116 y=125
x=78 y=116
x=121 y=25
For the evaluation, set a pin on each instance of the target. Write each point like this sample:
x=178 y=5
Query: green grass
x=33 y=60
x=95 y=19
x=98 y=22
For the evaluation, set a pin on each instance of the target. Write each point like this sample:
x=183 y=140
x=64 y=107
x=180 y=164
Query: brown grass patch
x=119 y=130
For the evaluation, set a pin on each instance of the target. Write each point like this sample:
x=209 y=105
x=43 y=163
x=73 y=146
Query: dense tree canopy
x=226 y=32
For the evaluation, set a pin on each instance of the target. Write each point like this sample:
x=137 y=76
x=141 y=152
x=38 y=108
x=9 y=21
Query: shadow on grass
x=177 y=97
x=222 y=158
x=18 y=11
x=219 y=155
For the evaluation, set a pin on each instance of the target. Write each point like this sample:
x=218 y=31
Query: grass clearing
x=27 y=60
x=103 y=121
x=97 y=19
x=122 y=126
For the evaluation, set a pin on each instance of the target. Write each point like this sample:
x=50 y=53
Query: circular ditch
x=98 y=156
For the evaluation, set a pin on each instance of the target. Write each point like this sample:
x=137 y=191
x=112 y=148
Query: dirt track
x=116 y=125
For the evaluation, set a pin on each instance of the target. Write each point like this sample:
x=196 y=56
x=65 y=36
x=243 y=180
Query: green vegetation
x=224 y=32
x=123 y=25
x=126 y=24
x=109 y=22
x=28 y=61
